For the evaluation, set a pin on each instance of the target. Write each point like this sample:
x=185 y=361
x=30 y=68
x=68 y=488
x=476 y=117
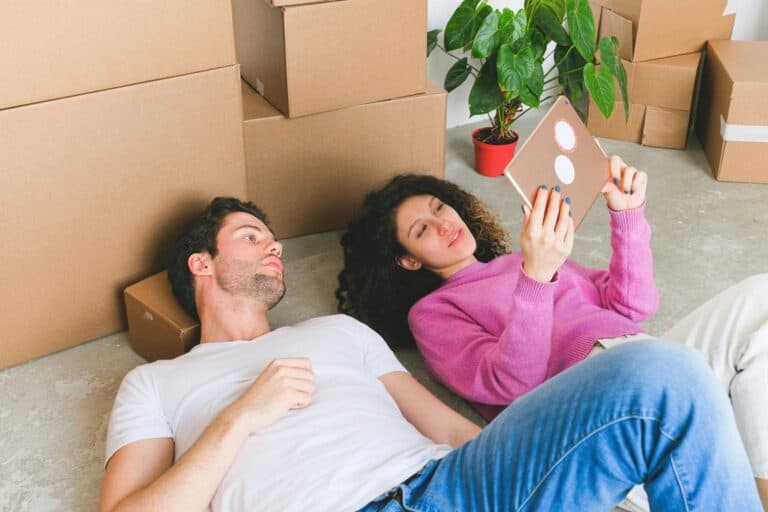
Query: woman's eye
x=421 y=231
x=440 y=206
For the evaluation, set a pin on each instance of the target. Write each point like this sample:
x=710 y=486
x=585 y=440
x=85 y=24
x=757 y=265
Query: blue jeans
x=646 y=412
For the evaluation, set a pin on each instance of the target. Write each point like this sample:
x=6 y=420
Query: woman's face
x=434 y=236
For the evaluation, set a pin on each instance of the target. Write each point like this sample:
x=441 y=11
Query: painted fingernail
x=523 y=209
x=567 y=199
x=557 y=188
x=631 y=192
x=570 y=213
x=543 y=187
x=616 y=181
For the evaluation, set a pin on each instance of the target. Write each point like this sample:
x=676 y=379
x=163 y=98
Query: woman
x=425 y=256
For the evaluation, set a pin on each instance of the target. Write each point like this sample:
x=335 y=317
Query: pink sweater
x=491 y=333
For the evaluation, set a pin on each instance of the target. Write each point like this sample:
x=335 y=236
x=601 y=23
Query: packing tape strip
x=743 y=132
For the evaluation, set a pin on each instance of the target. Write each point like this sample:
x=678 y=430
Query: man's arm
x=141 y=475
x=426 y=412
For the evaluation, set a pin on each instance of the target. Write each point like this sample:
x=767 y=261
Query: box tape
x=743 y=132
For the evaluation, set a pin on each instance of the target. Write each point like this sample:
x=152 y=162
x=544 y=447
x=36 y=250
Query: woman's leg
x=647 y=412
x=731 y=331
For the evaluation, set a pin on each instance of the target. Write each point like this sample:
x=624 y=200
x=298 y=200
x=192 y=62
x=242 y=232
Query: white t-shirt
x=350 y=445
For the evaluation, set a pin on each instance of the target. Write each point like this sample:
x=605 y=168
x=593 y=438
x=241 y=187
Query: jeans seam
x=581 y=441
x=679 y=483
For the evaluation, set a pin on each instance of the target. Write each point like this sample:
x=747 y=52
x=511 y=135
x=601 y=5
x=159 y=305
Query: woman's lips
x=456 y=237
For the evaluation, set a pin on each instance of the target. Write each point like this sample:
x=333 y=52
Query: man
x=322 y=416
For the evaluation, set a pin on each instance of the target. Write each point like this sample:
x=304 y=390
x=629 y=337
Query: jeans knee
x=672 y=370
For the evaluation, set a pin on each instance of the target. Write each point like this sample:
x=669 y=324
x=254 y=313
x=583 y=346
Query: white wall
x=751 y=24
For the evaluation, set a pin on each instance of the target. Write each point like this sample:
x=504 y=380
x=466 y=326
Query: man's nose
x=276 y=248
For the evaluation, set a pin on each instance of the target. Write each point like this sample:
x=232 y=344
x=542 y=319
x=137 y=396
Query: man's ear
x=409 y=263
x=199 y=264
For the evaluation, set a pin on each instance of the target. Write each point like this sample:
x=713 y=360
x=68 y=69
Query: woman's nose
x=445 y=227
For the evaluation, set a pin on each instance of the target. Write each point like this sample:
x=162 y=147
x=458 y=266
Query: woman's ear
x=408 y=263
x=199 y=264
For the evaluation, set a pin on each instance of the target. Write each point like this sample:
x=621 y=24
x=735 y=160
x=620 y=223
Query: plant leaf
x=609 y=57
x=582 y=27
x=456 y=75
x=531 y=93
x=461 y=26
x=487 y=38
x=538 y=42
x=514 y=68
x=552 y=26
x=432 y=40
x=600 y=87
x=485 y=94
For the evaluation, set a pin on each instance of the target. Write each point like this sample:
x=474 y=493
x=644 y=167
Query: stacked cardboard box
x=733 y=120
x=336 y=103
x=660 y=44
x=116 y=127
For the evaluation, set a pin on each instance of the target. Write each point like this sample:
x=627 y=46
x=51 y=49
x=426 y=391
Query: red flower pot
x=492 y=159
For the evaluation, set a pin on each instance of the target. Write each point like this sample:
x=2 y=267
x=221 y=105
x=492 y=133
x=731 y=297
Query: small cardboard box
x=52 y=50
x=93 y=188
x=158 y=328
x=661 y=94
x=315 y=57
x=310 y=174
x=652 y=29
x=733 y=121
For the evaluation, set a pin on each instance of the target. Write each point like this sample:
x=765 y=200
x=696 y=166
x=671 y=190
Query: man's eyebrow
x=251 y=226
x=419 y=218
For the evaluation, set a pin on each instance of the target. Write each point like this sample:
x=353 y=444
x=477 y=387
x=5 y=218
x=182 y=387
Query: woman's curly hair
x=372 y=286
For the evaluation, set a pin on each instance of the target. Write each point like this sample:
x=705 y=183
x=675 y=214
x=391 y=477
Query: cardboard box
x=652 y=29
x=94 y=189
x=158 y=328
x=733 y=120
x=661 y=94
x=53 y=50
x=327 y=55
x=310 y=174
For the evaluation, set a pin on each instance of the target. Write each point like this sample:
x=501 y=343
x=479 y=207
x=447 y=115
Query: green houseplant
x=509 y=50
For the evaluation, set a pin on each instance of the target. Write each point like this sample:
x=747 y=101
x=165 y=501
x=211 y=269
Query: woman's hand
x=626 y=187
x=546 y=239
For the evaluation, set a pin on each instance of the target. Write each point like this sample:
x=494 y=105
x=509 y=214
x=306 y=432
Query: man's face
x=248 y=260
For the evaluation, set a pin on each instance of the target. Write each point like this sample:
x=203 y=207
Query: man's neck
x=232 y=321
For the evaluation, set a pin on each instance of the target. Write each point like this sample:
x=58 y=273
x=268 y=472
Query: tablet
x=561 y=151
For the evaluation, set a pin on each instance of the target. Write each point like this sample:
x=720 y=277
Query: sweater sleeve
x=478 y=365
x=628 y=287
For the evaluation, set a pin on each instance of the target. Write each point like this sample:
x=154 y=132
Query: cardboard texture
x=310 y=174
x=53 y=50
x=158 y=328
x=327 y=55
x=733 y=121
x=94 y=188
x=661 y=94
x=651 y=29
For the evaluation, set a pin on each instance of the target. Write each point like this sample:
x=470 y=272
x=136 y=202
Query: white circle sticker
x=564 y=169
x=565 y=136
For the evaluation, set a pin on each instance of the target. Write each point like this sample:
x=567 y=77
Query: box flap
x=155 y=294
x=613 y=24
x=255 y=106
x=665 y=128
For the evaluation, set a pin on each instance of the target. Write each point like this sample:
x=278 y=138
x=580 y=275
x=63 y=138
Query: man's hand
x=284 y=384
x=546 y=239
x=626 y=187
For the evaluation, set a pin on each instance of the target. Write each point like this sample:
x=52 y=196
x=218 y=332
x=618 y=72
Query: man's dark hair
x=200 y=236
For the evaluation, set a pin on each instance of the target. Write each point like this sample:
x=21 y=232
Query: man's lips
x=274 y=262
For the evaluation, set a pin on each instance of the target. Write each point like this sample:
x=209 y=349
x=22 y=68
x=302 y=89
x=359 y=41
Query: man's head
x=231 y=246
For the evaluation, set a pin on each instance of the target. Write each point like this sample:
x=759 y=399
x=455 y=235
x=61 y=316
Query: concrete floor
x=54 y=411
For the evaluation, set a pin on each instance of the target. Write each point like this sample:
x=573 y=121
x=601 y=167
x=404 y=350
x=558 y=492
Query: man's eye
x=250 y=238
